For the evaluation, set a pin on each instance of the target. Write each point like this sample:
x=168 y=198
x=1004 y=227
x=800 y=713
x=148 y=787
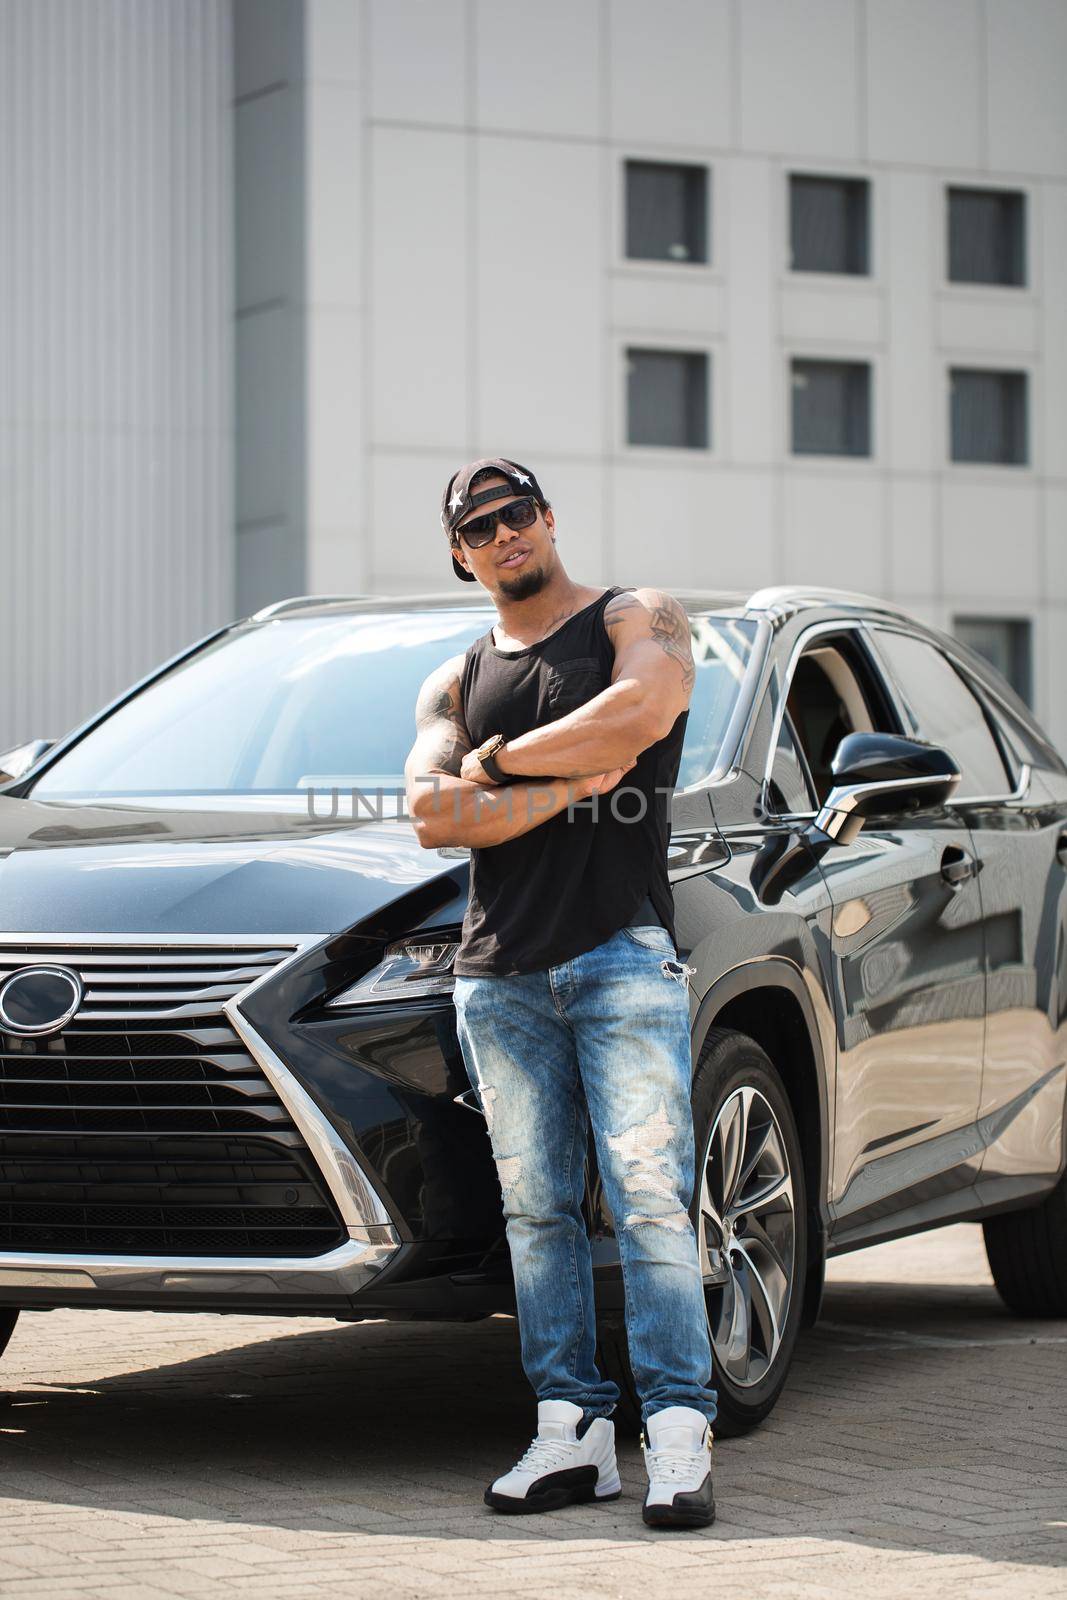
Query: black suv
x=229 y=1075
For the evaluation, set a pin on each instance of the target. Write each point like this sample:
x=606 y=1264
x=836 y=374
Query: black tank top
x=566 y=885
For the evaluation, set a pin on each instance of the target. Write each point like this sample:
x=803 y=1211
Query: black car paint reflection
x=917 y=1025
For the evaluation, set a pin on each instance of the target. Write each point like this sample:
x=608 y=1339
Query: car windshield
x=327 y=702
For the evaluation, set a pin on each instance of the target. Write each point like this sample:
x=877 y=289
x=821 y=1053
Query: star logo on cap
x=456 y=500
x=521 y=477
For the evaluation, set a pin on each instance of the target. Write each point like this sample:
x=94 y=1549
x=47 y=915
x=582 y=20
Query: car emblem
x=37 y=1000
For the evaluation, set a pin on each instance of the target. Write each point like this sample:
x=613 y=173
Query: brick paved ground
x=920 y=1450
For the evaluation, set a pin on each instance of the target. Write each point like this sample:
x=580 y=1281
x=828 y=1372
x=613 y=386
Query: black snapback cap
x=459 y=497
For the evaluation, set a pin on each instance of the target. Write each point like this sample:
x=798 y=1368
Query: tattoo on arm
x=443 y=739
x=618 y=609
x=668 y=626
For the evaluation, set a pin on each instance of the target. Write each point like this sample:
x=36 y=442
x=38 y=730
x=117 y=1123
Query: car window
x=830 y=695
x=1021 y=737
x=1016 y=745
x=328 y=702
x=789 y=789
x=1021 y=743
x=944 y=711
x=722 y=649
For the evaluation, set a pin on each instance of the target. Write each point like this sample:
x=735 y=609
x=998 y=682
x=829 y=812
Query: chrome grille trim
x=244 y=964
x=105 y=1071
x=193 y=982
x=357 y=1200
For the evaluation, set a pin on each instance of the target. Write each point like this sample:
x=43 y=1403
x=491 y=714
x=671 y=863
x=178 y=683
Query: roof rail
x=295 y=602
x=784 y=599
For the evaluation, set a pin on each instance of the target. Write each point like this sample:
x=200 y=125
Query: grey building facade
x=766 y=292
x=116 y=347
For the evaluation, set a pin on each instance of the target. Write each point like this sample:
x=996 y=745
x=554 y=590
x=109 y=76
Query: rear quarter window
x=945 y=711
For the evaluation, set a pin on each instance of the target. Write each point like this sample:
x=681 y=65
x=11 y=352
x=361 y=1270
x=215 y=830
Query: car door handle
x=1061 y=848
x=957 y=866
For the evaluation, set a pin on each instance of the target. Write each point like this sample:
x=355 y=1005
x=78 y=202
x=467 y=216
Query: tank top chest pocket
x=571 y=683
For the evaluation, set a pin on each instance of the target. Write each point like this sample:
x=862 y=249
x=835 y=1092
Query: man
x=572 y=1004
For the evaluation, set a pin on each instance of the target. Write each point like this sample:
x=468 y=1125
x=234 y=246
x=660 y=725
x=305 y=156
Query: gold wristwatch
x=487 y=752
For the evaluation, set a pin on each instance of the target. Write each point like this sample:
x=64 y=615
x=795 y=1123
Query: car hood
x=75 y=868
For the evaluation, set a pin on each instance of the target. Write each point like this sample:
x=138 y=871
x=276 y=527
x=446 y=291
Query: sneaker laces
x=544 y=1454
x=671 y=1466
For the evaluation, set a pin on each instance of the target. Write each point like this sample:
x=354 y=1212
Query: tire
x=1027 y=1253
x=732 y=1074
x=8 y=1320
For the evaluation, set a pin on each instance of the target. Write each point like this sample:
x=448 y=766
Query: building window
x=1006 y=643
x=828 y=224
x=988 y=416
x=667 y=398
x=831 y=408
x=666 y=211
x=987 y=236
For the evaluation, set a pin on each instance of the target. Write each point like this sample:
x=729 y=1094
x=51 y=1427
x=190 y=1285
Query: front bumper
x=322 y=1285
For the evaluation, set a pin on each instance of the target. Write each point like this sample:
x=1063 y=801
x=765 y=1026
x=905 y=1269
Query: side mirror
x=883 y=773
x=15 y=763
x=873 y=773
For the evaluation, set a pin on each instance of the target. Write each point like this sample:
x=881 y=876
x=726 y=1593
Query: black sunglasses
x=516 y=514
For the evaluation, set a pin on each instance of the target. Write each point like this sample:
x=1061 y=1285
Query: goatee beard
x=524 y=584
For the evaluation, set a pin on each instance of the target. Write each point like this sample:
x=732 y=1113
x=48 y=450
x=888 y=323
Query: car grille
x=144 y=1126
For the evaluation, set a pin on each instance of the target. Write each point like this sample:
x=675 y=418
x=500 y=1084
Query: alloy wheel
x=747 y=1236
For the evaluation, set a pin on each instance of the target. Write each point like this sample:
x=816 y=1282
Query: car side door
x=1018 y=821
x=907 y=961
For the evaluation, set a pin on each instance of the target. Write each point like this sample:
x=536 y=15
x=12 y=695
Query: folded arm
x=447 y=809
x=651 y=682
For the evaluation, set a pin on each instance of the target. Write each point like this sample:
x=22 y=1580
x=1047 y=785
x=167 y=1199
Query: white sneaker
x=678 y=1461
x=558 y=1468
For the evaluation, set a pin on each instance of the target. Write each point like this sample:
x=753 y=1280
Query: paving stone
x=354 y=1462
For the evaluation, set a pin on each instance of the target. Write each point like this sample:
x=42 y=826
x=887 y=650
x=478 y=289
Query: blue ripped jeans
x=600 y=1039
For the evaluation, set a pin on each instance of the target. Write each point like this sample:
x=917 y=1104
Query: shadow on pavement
x=916 y=1416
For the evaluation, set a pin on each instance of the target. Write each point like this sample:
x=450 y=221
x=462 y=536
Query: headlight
x=410 y=968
